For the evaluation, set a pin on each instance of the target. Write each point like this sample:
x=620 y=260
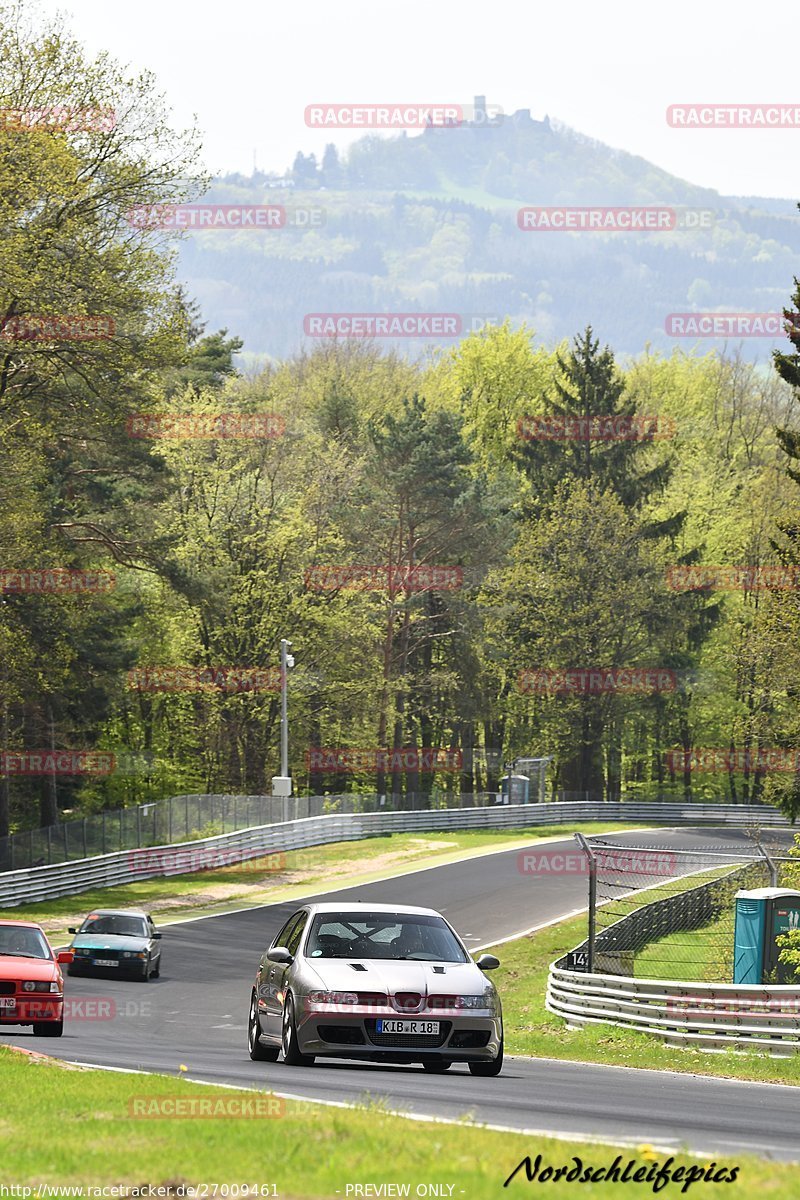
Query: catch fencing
x=668 y=913
x=658 y=956
x=64 y=879
x=189 y=817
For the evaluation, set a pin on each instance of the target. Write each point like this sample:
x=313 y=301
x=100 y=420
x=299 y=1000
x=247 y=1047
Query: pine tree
x=591 y=387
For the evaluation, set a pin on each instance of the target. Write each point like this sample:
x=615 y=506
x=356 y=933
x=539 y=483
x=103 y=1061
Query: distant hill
x=427 y=222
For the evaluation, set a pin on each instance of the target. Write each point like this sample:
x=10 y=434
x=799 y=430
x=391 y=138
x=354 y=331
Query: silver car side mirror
x=487 y=962
x=279 y=954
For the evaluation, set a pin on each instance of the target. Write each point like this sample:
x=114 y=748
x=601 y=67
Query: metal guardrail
x=65 y=879
x=711 y=1015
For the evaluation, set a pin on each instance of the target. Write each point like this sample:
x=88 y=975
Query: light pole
x=282 y=784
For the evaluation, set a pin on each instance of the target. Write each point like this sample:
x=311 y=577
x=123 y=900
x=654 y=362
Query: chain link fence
x=188 y=818
x=658 y=913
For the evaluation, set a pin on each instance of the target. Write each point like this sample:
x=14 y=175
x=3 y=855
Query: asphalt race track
x=195 y=1014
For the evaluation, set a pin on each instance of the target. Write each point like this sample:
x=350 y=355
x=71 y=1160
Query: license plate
x=105 y=962
x=418 y=1027
x=7 y=1003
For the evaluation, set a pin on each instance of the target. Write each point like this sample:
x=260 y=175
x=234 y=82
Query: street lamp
x=282 y=784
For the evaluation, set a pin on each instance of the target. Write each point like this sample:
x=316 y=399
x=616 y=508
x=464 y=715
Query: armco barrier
x=65 y=879
x=710 y=1015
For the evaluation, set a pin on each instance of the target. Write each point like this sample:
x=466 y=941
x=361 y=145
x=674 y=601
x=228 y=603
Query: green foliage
x=563 y=547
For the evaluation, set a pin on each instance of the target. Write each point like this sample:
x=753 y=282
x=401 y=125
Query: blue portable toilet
x=761 y=915
x=515 y=789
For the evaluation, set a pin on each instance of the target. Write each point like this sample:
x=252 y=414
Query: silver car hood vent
x=357 y=966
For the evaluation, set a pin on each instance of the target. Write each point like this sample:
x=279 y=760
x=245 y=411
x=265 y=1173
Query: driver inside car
x=409 y=942
x=20 y=942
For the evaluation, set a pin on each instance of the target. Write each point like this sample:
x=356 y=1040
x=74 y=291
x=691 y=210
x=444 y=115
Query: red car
x=31 y=983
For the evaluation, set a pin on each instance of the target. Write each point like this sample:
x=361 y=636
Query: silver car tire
x=493 y=1067
x=289 y=1044
x=258 y=1052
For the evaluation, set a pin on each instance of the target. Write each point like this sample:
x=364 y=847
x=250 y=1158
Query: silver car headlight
x=333 y=997
x=456 y=1002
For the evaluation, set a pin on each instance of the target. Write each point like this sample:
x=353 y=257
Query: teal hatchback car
x=120 y=940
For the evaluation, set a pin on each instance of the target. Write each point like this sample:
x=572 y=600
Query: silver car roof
x=353 y=906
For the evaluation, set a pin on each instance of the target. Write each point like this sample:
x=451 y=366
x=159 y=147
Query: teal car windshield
x=120 y=926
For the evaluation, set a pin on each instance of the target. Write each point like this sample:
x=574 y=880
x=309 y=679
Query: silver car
x=375 y=981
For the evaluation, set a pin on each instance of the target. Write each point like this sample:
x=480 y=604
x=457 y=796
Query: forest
x=509 y=547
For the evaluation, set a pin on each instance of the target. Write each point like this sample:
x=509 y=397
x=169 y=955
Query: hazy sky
x=248 y=68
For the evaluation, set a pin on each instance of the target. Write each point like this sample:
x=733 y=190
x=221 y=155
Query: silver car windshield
x=19 y=942
x=383 y=936
x=121 y=926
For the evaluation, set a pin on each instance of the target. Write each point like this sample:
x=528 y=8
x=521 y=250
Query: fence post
x=773 y=870
x=587 y=850
x=83 y=831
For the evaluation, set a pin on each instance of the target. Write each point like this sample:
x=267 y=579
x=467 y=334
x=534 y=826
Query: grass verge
x=702 y=955
x=298 y=873
x=531 y=1029
x=74 y=1126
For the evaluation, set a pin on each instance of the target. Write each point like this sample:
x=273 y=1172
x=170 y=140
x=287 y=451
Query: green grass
x=531 y=1029
x=694 y=956
x=74 y=1126
x=318 y=868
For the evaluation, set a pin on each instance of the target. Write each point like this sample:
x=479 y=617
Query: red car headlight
x=39 y=985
